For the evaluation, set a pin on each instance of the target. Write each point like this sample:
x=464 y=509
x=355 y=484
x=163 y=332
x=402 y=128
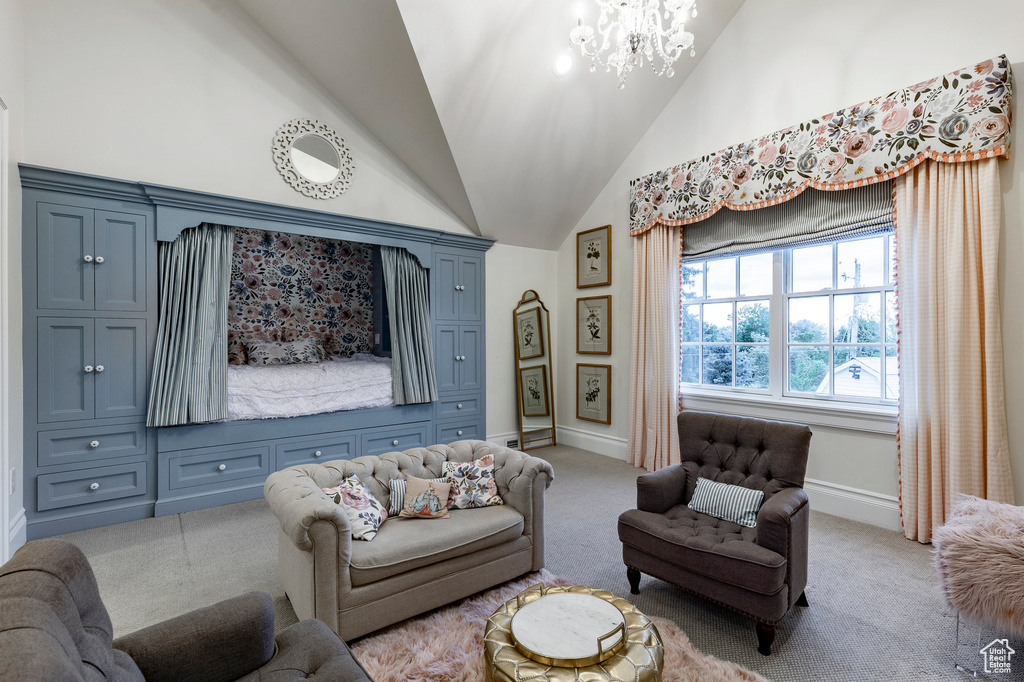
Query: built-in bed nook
x=324 y=336
x=307 y=332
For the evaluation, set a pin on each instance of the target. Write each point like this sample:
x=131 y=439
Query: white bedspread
x=265 y=392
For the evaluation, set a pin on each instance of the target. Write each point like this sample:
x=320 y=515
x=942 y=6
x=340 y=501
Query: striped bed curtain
x=191 y=364
x=412 y=348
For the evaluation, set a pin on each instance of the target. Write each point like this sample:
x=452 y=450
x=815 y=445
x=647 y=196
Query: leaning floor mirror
x=534 y=375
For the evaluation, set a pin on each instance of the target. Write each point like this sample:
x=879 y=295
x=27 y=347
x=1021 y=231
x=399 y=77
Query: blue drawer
x=71 y=488
x=211 y=466
x=315 y=450
x=460 y=407
x=449 y=432
x=69 y=446
x=393 y=438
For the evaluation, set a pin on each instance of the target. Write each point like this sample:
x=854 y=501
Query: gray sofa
x=412 y=565
x=760 y=571
x=54 y=628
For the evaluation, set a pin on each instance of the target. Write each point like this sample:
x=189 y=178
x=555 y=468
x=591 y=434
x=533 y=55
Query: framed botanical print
x=533 y=391
x=594 y=257
x=529 y=336
x=594 y=393
x=594 y=325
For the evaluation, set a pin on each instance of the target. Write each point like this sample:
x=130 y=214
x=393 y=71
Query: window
x=814 y=322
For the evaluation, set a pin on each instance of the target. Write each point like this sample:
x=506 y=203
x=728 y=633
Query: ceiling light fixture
x=631 y=31
x=562 y=64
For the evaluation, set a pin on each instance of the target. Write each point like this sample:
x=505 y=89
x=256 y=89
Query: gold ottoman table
x=639 y=656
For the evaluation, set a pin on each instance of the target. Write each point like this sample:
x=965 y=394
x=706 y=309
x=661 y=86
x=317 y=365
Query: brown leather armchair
x=760 y=571
x=54 y=627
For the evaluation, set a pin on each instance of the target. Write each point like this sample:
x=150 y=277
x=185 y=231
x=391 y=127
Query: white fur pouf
x=979 y=554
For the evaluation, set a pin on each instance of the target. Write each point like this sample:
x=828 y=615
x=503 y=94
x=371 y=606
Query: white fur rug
x=448 y=644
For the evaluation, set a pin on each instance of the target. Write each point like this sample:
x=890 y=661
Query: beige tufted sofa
x=412 y=565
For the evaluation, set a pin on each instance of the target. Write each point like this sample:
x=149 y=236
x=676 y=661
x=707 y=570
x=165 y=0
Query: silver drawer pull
x=459 y=406
x=99 y=259
x=462 y=357
x=456 y=287
x=94 y=444
x=99 y=368
x=88 y=258
x=94 y=486
x=88 y=369
x=394 y=442
x=222 y=467
x=317 y=453
x=459 y=432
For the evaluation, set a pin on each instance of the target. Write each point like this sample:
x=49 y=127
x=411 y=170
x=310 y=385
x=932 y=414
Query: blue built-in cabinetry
x=90 y=321
x=458 y=299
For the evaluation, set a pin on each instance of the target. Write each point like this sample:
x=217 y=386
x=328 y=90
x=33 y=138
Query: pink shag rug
x=448 y=644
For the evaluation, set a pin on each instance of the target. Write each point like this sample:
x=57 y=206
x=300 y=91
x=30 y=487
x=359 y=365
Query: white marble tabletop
x=566 y=625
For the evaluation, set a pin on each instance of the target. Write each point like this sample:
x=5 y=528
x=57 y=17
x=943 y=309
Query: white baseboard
x=502 y=438
x=609 y=446
x=18 y=532
x=853 y=503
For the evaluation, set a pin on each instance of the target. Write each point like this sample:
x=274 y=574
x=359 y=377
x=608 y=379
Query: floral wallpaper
x=286 y=287
x=962 y=116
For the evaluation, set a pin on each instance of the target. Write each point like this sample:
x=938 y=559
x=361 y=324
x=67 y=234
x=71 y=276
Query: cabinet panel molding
x=65 y=369
x=121 y=352
x=65 y=236
x=121 y=277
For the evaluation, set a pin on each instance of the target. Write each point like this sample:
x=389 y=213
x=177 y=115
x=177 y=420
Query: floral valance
x=962 y=116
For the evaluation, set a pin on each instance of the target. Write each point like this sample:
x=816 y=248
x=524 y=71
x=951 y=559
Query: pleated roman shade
x=814 y=216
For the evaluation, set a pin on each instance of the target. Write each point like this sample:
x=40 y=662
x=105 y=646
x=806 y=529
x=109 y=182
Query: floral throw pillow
x=475 y=482
x=303 y=351
x=425 y=499
x=365 y=513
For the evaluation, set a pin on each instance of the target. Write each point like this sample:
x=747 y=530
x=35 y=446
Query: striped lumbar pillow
x=727 y=502
x=397 y=486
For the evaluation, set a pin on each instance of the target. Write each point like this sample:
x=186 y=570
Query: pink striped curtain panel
x=952 y=424
x=654 y=384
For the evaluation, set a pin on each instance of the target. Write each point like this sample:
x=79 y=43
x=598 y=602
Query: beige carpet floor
x=875 y=614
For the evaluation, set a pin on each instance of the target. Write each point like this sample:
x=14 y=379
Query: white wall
x=779 y=63
x=189 y=93
x=511 y=270
x=12 y=92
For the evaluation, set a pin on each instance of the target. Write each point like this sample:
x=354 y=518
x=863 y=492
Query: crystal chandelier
x=631 y=31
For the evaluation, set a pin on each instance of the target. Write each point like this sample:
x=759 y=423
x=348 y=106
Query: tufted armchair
x=412 y=565
x=760 y=571
x=54 y=628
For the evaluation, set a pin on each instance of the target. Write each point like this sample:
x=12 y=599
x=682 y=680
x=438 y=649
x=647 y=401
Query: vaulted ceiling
x=463 y=93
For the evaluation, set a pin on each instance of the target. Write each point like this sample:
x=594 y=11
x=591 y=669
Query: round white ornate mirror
x=313 y=158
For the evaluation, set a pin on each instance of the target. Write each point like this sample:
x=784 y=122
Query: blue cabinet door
x=446 y=280
x=121 y=240
x=471 y=283
x=120 y=369
x=65 y=369
x=65 y=237
x=471 y=364
x=447 y=355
